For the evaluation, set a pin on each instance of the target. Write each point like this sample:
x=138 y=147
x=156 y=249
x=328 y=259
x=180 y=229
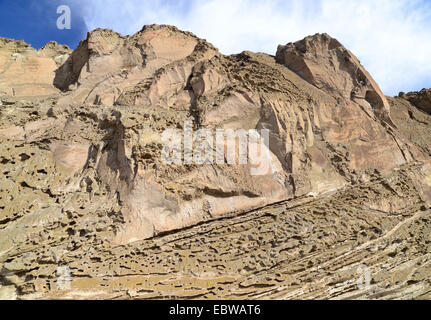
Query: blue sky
x=392 y=38
x=35 y=21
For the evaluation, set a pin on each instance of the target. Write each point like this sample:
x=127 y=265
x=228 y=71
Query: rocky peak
x=15 y=46
x=165 y=28
x=421 y=99
x=324 y=62
x=85 y=183
x=107 y=66
x=27 y=72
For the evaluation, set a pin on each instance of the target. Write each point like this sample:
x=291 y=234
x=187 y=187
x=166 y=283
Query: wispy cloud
x=391 y=37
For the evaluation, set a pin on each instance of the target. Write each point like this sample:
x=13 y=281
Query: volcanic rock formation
x=84 y=187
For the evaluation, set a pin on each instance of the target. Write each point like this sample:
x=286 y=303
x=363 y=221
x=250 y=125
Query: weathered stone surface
x=84 y=189
x=150 y=67
x=325 y=63
x=421 y=99
x=25 y=72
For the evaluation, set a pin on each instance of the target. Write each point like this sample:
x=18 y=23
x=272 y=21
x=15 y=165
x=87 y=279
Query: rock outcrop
x=85 y=186
x=421 y=99
x=325 y=63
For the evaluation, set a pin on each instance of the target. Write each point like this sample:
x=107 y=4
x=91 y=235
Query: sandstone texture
x=89 y=209
x=25 y=72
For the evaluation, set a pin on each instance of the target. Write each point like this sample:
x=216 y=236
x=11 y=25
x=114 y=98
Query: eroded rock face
x=361 y=115
x=421 y=99
x=25 y=72
x=84 y=180
x=110 y=69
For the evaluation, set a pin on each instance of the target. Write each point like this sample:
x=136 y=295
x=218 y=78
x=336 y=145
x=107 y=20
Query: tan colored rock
x=25 y=72
x=421 y=99
x=325 y=63
x=70 y=156
x=344 y=181
x=111 y=69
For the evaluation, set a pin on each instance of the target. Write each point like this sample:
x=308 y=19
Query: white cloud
x=391 y=37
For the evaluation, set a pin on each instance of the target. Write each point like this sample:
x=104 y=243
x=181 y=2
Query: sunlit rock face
x=324 y=132
x=84 y=148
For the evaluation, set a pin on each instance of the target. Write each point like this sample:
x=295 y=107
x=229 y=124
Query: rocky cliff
x=87 y=197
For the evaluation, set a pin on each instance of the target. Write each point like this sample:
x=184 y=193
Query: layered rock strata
x=84 y=186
